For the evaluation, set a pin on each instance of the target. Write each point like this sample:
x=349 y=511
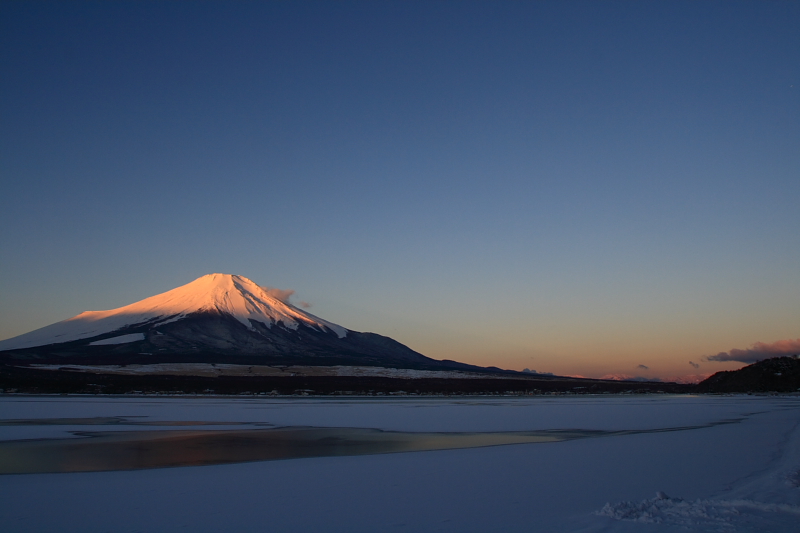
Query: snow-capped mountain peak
x=225 y=294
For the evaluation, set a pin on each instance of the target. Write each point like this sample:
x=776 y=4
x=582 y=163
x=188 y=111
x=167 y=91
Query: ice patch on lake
x=735 y=463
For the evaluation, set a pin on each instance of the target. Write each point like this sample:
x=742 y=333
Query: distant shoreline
x=32 y=380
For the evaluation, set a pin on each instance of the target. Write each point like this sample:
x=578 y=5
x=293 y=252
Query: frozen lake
x=478 y=464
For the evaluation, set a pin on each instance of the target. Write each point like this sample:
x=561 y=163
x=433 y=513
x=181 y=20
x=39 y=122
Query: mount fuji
x=218 y=318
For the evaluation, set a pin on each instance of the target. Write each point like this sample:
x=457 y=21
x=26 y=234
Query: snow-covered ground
x=722 y=464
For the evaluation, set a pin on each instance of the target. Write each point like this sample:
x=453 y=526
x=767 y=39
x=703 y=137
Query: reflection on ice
x=100 y=451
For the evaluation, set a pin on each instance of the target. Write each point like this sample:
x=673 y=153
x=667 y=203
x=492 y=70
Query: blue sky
x=573 y=187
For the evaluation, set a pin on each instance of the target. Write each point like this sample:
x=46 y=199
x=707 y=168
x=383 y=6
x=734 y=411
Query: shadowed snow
x=122 y=339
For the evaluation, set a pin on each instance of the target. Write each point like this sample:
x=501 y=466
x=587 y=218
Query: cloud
x=758 y=351
x=694 y=364
x=643 y=367
x=285 y=295
x=280 y=294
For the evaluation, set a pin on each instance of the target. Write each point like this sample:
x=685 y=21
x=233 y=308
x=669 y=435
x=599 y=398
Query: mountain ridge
x=776 y=374
x=230 y=294
x=217 y=318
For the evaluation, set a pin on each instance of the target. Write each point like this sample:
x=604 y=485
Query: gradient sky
x=571 y=187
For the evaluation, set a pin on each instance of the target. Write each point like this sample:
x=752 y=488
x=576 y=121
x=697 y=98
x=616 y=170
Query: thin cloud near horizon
x=758 y=351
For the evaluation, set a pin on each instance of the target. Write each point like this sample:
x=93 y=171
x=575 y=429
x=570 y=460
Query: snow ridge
x=228 y=294
x=721 y=514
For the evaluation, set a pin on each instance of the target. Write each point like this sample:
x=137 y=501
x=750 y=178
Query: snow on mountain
x=227 y=294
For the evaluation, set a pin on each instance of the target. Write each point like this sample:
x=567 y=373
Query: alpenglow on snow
x=225 y=294
x=218 y=318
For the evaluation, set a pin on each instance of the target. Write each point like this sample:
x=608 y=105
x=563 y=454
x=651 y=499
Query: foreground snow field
x=724 y=464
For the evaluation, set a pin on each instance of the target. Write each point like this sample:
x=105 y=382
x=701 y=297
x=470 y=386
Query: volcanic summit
x=217 y=318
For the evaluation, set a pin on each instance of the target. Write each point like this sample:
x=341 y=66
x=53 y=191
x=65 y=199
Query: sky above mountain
x=573 y=187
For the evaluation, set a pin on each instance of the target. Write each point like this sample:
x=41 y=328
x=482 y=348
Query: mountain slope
x=778 y=374
x=216 y=318
x=225 y=294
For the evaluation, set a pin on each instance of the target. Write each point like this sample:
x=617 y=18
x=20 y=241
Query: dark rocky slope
x=212 y=337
